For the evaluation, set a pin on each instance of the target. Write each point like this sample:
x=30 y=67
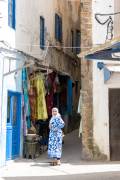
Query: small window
x=78 y=41
x=72 y=40
x=42 y=32
x=11 y=13
x=58 y=28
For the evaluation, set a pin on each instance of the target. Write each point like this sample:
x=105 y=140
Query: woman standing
x=55 y=137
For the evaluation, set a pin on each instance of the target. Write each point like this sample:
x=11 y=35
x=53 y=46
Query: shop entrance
x=42 y=92
x=13 y=125
x=114 y=120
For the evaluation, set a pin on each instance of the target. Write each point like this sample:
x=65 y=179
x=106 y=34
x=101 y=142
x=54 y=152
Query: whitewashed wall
x=10 y=82
x=28 y=25
x=117 y=18
x=100 y=31
x=100 y=89
x=7 y=34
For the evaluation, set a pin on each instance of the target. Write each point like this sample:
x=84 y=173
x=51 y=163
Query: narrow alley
x=59 y=89
x=72 y=166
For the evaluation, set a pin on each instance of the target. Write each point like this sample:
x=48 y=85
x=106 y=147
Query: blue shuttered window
x=42 y=32
x=11 y=13
x=58 y=28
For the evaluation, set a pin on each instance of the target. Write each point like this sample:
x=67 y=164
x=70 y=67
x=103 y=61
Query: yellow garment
x=41 y=102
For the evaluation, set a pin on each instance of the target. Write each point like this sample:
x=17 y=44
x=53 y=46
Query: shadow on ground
x=72 y=148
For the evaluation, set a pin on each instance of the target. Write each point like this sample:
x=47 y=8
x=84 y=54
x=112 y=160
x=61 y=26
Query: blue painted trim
x=12 y=130
x=42 y=32
x=14 y=14
x=58 y=28
x=69 y=97
x=12 y=17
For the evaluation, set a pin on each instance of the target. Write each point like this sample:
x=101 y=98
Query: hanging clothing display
x=41 y=109
x=49 y=102
x=51 y=87
x=26 y=97
x=24 y=118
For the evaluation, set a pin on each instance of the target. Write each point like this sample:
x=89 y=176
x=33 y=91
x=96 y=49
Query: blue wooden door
x=13 y=125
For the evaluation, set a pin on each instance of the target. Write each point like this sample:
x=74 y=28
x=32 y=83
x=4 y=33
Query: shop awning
x=12 y=54
x=107 y=51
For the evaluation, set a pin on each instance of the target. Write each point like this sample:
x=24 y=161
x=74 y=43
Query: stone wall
x=66 y=65
x=59 y=55
x=86 y=80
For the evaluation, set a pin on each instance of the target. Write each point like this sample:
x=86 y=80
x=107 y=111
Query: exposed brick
x=86 y=74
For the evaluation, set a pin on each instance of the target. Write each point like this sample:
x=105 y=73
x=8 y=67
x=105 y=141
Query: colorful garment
x=41 y=102
x=55 y=137
x=26 y=97
x=33 y=102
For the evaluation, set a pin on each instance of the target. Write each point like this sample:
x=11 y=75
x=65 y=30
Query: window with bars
x=42 y=32
x=58 y=28
x=11 y=13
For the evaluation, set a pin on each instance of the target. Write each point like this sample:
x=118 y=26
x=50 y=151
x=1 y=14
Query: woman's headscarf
x=56 y=109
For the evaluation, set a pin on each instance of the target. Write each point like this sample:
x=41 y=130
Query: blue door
x=13 y=125
x=69 y=97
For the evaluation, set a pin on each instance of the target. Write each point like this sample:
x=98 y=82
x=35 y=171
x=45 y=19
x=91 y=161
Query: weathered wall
x=86 y=81
x=95 y=111
x=28 y=25
x=67 y=61
x=28 y=33
x=70 y=13
x=28 y=28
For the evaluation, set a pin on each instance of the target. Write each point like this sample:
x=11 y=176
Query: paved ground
x=106 y=176
x=72 y=168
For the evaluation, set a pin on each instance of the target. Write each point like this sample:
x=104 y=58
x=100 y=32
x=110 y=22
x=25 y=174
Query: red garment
x=49 y=102
x=52 y=88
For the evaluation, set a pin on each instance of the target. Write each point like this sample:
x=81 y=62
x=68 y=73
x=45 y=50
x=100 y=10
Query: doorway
x=13 y=125
x=114 y=121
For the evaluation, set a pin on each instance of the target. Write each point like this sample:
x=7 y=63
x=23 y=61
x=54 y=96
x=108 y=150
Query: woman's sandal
x=58 y=163
x=53 y=163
